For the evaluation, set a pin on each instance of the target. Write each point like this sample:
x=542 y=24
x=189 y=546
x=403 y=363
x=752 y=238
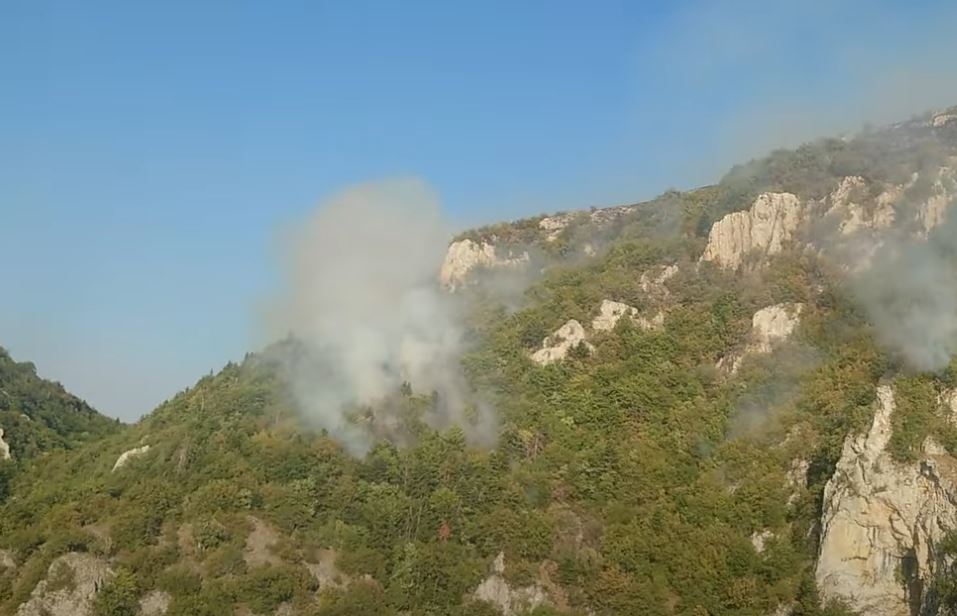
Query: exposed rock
x=784 y=609
x=932 y=212
x=655 y=322
x=948 y=398
x=882 y=521
x=943 y=119
x=128 y=455
x=155 y=603
x=797 y=478
x=69 y=588
x=770 y=326
x=759 y=540
x=326 y=572
x=605 y=215
x=496 y=590
x=609 y=313
x=258 y=548
x=653 y=281
x=765 y=228
x=4 y=447
x=554 y=225
x=465 y=255
x=557 y=346
x=7 y=561
x=846 y=203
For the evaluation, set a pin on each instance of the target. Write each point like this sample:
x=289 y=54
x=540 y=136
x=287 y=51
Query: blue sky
x=150 y=152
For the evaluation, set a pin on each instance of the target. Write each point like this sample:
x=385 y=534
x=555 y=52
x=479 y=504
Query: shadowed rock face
x=765 y=228
x=883 y=521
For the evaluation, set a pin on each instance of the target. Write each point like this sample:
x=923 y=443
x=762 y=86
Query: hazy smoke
x=364 y=303
x=910 y=295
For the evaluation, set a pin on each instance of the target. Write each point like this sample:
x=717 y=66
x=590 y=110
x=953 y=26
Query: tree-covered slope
x=38 y=415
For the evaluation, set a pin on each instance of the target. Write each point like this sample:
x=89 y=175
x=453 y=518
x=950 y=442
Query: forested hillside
x=38 y=416
x=682 y=390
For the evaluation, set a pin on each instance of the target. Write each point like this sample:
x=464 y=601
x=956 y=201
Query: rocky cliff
x=883 y=521
x=465 y=256
x=764 y=229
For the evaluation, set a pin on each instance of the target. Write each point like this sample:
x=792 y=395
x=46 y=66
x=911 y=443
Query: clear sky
x=149 y=152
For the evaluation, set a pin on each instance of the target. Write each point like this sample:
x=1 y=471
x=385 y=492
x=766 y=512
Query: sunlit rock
x=765 y=229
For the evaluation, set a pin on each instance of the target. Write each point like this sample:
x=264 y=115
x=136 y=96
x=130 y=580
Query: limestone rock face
x=128 y=455
x=765 y=228
x=882 y=521
x=609 y=313
x=496 y=590
x=69 y=588
x=465 y=255
x=846 y=202
x=770 y=326
x=557 y=346
x=4 y=447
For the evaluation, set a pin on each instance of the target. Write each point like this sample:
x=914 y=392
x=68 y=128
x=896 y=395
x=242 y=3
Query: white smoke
x=910 y=295
x=364 y=303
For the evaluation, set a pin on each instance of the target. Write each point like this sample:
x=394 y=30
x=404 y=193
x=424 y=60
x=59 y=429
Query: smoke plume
x=910 y=295
x=364 y=306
